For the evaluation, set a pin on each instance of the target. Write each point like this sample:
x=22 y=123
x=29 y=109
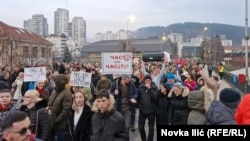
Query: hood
x=219 y=114
x=196 y=100
x=60 y=81
x=184 y=93
x=39 y=105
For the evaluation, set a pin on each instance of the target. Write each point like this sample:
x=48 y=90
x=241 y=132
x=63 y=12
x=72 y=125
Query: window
x=34 y=52
x=25 y=52
x=43 y=53
x=49 y=52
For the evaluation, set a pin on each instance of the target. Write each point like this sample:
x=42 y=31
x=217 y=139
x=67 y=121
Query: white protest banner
x=34 y=74
x=117 y=62
x=81 y=79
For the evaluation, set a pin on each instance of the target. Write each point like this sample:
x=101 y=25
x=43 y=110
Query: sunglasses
x=22 y=131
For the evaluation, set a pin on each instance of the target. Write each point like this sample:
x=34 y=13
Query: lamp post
x=163 y=39
x=210 y=42
x=12 y=46
x=246 y=44
x=132 y=19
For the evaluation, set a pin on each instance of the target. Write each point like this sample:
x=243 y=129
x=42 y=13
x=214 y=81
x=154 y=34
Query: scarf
x=4 y=108
x=40 y=90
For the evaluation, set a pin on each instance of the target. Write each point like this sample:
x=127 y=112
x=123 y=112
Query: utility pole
x=246 y=45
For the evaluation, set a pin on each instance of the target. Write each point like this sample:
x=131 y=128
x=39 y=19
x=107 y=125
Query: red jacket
x=242 y=114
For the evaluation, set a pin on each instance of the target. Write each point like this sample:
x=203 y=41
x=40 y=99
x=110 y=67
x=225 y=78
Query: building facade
x=79 y=31
x=58 y=47
x=37 y=24
x=61 y=21
x=92 y=52
x=21 y=47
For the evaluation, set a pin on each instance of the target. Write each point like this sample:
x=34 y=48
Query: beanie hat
x=170 y=75
x=147 y=77
x=125 y=76
x=230 y=97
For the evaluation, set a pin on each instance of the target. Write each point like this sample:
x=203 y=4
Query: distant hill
x=192 y=29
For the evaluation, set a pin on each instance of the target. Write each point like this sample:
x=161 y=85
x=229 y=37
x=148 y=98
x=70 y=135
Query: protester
x=103 y=83
x=178 y=107
x=242 y=115
x=43 y=92
x=107 y=123
x=80 y=118
x=6 y=103
x=147 y=98
x=40 y=120
x=190 y=82
x=210 y=69
x=222 y=111
x=162 y=109
x=4 y=80
x=16 y=128
x=125 y=94
x=156 y=74
x=196 y=104
x=58 y=107
x=18 y=88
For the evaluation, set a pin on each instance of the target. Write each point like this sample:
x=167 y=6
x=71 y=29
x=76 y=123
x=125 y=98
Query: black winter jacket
x=162 y=109
x=83 y=127
x=178 y=108
x=109 y=126
x=44 y=120
x=147 y=98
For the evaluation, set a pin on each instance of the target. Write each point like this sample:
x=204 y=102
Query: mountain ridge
x=193 y=29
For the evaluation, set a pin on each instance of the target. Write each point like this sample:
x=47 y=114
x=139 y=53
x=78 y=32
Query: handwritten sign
x=34 y=74
x=117 y=63
x=81 y=79
x=167 y=57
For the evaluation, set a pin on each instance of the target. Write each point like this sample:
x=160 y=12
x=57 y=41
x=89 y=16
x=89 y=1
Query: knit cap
x=230 y=97
x=147 y=77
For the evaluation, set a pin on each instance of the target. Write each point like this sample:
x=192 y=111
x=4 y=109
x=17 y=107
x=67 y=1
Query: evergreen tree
x=67 y=56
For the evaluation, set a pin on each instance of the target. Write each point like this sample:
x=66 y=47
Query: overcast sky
x=112 y=15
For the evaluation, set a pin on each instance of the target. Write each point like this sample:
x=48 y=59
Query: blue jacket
x=131 y=93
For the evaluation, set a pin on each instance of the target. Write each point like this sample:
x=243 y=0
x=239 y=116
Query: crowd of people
x=163 y=93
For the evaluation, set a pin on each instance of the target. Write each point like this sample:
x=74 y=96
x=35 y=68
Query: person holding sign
x=125 y=94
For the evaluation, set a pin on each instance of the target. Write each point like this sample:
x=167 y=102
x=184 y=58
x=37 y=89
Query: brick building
x=21 y=47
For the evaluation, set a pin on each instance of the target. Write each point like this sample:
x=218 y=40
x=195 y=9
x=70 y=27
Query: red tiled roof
x=19 y=33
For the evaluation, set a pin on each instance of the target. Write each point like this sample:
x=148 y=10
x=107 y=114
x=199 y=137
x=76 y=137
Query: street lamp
x=210 y=42
x=131 y=19
x=163 y=39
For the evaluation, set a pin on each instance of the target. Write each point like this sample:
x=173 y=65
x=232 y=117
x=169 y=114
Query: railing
x=229 y=78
